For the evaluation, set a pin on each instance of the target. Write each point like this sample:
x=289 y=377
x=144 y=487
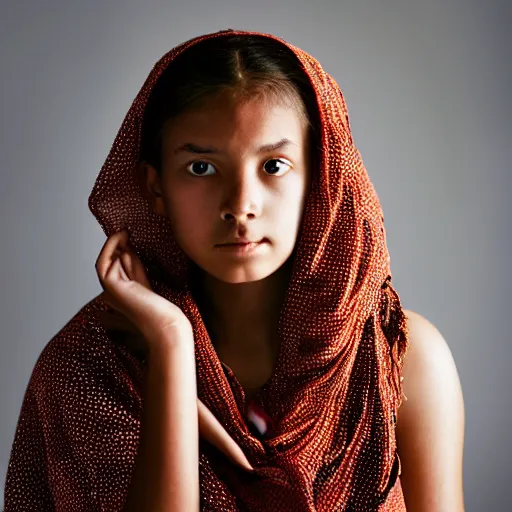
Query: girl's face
x=231 y=169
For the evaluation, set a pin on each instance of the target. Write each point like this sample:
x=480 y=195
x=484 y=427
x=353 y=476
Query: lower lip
x=242 y=249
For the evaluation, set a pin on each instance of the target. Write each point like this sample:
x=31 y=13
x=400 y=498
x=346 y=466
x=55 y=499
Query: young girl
x=248 y=351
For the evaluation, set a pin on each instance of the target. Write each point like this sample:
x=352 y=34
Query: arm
x=166 y=476
x=430 y=423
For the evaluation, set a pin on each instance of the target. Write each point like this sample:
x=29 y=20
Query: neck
x=244 y=315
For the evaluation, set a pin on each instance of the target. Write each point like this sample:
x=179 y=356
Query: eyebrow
x=190 y=147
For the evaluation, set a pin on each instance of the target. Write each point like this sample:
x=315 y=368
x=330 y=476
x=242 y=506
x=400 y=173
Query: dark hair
x=246 y=64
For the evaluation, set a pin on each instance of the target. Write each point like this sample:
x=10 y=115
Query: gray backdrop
x=427 y=83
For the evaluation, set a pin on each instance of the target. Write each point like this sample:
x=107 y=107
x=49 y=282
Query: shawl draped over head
x=336 y=387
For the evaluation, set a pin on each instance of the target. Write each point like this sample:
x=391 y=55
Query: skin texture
x=237 y=191
x=430 y=423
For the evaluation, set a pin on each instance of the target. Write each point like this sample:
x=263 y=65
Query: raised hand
x=145 y=315
x=127 y=290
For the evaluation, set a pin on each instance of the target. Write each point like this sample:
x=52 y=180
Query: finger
x=107 y=252
x=122 y=271
x=114 y=273
x=128 y=264
x=133 y=266
x=139 y=272
x=211 y=430
x=115 y=241
x=141 y=277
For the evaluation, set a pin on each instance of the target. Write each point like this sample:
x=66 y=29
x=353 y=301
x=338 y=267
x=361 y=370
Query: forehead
x=231 y=122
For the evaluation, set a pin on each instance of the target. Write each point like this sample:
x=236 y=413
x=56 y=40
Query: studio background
x=427 y=84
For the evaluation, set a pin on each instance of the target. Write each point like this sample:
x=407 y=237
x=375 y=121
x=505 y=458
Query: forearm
x=166 y=475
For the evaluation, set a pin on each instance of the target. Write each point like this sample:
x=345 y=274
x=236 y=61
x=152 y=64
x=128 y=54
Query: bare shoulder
x=430 y=423
x=429 y=355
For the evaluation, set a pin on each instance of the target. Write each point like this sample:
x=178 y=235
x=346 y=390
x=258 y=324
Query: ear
x=154 y=189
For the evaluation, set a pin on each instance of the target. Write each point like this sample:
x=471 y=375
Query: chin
x=240 y=275
x=237 y=272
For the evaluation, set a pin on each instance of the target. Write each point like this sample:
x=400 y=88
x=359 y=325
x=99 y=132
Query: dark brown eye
x=276 y=165
x=199 y=168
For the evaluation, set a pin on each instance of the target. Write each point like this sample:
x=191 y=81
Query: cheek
x=188 y=212
x=288 y=214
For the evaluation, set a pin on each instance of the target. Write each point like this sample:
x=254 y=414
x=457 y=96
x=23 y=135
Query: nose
x=242 y=202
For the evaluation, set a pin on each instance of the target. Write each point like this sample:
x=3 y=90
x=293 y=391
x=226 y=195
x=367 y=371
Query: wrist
x=174 y=335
